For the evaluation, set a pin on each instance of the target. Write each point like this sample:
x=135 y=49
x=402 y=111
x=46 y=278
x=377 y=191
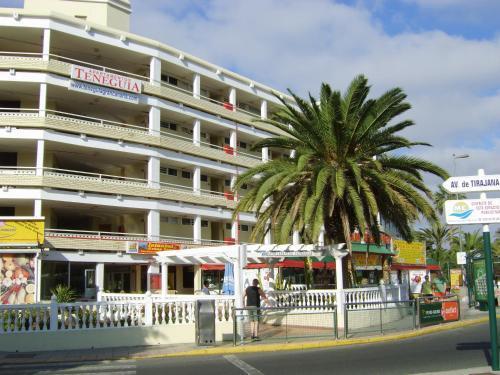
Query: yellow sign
x=155 y=247
x=21 y=232
x=455 y=278
x=360 y=259
x=409 y=252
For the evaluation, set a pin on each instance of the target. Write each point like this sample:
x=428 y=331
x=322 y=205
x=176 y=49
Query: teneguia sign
x=103 y=78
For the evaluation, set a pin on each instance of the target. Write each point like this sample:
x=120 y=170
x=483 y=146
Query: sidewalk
x=469 y=317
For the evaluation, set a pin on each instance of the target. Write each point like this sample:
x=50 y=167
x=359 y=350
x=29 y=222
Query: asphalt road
x=460 y=351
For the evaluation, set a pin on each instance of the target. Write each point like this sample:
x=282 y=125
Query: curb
x=316 y=344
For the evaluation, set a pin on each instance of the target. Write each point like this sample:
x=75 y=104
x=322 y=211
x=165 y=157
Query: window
x=187 y=131
x=227 y=141
x=187 y=221
x=163 y=170
x=228 y=226
x=169 y=79
x=168 y=125
x=203 y=135
x=164 y=219
x=204 y=223
x=227 y=182
x=243 y=144
x=172 y=172
x=173 y=220
x=7 y=211
x=186 y=174
x=244 y=186
x=244 y=228
x=204 y=178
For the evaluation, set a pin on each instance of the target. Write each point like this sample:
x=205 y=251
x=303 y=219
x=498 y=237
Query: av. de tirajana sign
x=469 y=184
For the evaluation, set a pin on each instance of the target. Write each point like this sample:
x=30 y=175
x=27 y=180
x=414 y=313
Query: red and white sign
x=103 y=78
x=449 y=310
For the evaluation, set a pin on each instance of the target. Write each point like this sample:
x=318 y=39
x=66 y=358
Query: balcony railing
x=79 y=124
x=104 y=183
x=62 y=65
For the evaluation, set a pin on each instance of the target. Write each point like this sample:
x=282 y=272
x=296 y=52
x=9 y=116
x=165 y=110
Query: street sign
x=461 y=257
x=472 y=211
x=468 y=184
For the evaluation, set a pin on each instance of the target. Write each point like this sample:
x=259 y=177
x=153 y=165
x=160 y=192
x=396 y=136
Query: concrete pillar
x=233 y=183
x=197 y=278
x=138 y=278
x=37 y=209
x=46 y=45
x=153 y=225
x=154 y=172
x=296 y=237
x=265 y=154
x=164 y=279
x=233 y=141
x=40 y=152
x=196 y=85
x=197 y=180
x=197 y=132
x=263 y=109
x=99 y=279
x=238 y=276
x=155 y=71
x=234 y=230
x=42 y=100
x=179 y=278
x=339 y=279
x=232 y=97
x=197 y=229
x=154 y=120
x=321 y=237
x=38 y=277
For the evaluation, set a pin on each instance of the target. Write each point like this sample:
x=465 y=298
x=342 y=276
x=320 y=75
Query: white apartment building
x=116 y=140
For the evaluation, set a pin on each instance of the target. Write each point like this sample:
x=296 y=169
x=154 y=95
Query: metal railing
x=379 y=317
x=284 y=323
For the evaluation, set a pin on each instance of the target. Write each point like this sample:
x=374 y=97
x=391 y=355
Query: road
x=445 y=352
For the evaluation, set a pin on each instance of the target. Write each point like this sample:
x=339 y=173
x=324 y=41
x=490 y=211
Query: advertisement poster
x=409 y=252
x=417 y=277
x=455 y=278
x=479 y=273
x=21 y=232
x=17 y=279
x=436 y=312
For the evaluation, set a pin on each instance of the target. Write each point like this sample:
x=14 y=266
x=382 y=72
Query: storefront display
x=17 y=279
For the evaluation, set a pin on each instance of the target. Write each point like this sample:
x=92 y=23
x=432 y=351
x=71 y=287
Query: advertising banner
x=479 y=274
x=362 y=262
x=17 y=279
x=455 y=278
x=148 y=247
x=440 y=311
x=417 y=278
x=409 y=252
x=104 y=78
x=473 y=211
x=21 y=232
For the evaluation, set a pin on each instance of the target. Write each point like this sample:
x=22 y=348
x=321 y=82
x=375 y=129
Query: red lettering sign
x=103 y=78
x=449 y=310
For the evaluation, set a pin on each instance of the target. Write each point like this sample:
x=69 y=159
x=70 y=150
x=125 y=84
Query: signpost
x=478 y=211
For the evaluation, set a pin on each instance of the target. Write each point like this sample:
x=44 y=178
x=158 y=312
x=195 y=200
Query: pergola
x=241 y=255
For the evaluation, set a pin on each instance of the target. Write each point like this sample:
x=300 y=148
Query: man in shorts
x=253 y=296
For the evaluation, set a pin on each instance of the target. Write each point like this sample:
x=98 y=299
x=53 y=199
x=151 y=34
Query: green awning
x=358 y=247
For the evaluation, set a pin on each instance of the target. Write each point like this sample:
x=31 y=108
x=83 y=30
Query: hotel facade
x=121 y=146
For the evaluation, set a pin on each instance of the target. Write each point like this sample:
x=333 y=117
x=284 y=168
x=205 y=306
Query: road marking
x=242 y=365
x=465 y=371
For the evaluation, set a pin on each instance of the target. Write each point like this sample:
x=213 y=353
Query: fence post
x=417 y=313
x=345 y=321
x=235 y=326
x=148 y=309
x=335 y=325
x=381 y=324
x=53 y=313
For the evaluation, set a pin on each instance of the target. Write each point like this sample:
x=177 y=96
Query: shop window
x=188 y=277
x=53 y=274
x=172 y=172
x=186 y=174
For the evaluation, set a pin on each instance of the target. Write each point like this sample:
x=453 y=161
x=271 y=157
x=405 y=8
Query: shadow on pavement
x=483 y=345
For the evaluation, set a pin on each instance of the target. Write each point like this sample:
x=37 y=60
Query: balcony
x=108 y=184
x=62 y=65
x=62 y=239
x=74 y=123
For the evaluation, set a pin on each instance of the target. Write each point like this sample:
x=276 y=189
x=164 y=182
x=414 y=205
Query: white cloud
x=452 y=82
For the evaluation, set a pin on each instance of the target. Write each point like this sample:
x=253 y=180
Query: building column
x=164 y=279
x=296 y=237
x=198 y=283
x=155 y=71
x=235 y=231
x=154 y=172
x=233 y=183
x=38 y=277
x=46 y=45
x=339 y=279
x=197 y=180
x=232 y=97
x=263 y=109
x=153 y=225
x=37 y=209
x=196 y=85
x=138 y=278
x=40 y=153
x=233 y=141
x=197 y=132
x=197 y=229
x=99 y=280
x=321 y=237
x=154 y=121
x=42 y=100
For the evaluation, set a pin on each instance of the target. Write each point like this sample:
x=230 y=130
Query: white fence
x=147 y=311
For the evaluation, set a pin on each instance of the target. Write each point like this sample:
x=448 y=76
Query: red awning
x=212 y=267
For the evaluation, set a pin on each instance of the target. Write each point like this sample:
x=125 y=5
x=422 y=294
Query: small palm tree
x=64 y=294
x=442 y=196
x=435 y=238
x=470 y=241
x=348 y=168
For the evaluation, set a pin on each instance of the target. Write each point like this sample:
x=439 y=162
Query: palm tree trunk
x=349 y=280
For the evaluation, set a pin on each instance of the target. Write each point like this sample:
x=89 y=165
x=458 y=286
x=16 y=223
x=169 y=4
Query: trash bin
x=205 y=322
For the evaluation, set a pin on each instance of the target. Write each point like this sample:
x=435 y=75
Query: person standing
x=253 y=296
x=205 y=289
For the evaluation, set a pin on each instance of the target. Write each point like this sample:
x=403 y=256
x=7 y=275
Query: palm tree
x=470 y=241
x=435 y=237
x=442 y=196
x=348 y=168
